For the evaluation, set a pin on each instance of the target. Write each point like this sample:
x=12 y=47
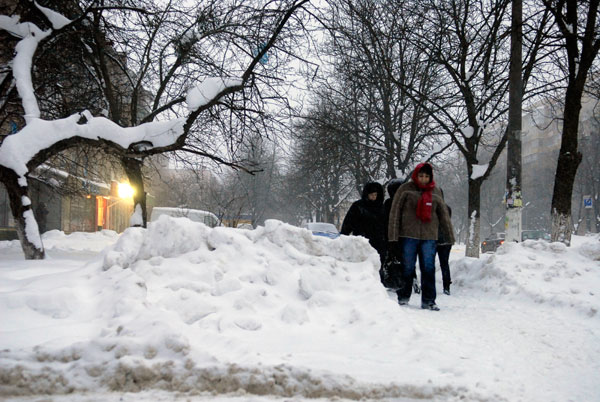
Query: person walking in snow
x=391 y=270
x=444 y=245
x=417 y=211
x=443 y=249
x=366 y=218
x=392 y=186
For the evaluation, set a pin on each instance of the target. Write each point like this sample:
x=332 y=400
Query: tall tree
x=257 y=189
x=321 y=169
x=587 y=182
x=579 y=29
x=468 y=41
x=38 y=140
x=374 y=57
x=163 y=45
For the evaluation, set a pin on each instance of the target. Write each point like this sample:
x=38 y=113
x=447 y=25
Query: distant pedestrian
x=366 y=218
x=443 y=248
x=418 y=209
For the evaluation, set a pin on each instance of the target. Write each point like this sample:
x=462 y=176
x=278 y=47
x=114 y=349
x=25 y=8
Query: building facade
x=96 y=206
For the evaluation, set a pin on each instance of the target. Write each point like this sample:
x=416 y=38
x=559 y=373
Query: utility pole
x=513 y=196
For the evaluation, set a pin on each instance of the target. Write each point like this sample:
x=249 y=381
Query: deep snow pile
x=548 y=273
x=277 y=311
x=189 y=291
x=78 y=241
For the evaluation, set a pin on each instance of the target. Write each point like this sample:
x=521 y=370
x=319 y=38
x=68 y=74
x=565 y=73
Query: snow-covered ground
x=182 y=312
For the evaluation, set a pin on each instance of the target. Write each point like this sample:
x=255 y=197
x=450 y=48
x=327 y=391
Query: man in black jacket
x=366 y=218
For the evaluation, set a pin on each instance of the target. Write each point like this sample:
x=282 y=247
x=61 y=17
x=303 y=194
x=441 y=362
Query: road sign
x=265 y=58
x=587 y=201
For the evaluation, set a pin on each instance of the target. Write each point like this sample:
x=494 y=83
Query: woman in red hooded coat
x=417 y=212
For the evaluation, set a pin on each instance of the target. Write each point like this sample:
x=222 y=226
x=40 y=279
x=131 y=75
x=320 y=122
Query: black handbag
x=390 y=273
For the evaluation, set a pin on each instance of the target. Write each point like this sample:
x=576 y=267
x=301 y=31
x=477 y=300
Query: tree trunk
x=569 y=159
x=472 y=246
x=27 y=228
x=133 y=169
x=389 y=138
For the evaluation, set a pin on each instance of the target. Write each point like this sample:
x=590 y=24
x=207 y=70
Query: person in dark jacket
x=391 y=269
x=418 y=209
x=392 y=186
x=444 y=245
x=366 y=218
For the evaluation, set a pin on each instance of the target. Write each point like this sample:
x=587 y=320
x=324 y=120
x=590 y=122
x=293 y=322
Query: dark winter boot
x=430 y=306
x=416 y=287
x=447 y=289
x=404 y=291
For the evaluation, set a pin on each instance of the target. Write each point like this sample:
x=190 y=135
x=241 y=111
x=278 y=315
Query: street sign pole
x=589 y=220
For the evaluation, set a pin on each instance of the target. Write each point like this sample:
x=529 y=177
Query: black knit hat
x=393 y=185
x=427 y=169
x=373 y=187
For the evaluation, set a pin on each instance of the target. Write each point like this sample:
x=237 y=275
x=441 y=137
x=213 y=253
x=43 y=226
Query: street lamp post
x=513 y=198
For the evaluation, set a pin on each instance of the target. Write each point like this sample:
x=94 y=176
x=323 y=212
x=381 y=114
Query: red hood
x=418 y=168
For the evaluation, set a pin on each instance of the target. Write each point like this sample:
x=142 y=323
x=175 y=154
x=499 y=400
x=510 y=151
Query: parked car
x=492 y=243
x=534 y=235
x=196 y=215
x=322 y=229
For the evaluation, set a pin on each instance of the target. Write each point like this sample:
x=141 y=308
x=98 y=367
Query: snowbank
x=78 y=241
x=173 y=319
x=543 y=272
x=181 y=307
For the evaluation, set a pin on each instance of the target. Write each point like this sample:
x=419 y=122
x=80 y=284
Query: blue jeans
x=425 y=250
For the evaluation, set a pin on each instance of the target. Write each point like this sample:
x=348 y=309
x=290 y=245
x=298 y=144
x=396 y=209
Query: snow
x=180 y=311
x=478 y=171
x=472 y=225
x=21 y=65
x=207 y=90
x=21 y=71
x=468 y=131
x=19 y=29
x=38 y=134
x=31 y=229
x=136 y=218
x=17 y=150
x=57 y=20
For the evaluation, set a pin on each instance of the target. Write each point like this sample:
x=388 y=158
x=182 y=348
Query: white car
x=196 y=215
x=322 y=229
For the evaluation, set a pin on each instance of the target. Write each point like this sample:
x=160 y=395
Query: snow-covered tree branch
x=39 y=138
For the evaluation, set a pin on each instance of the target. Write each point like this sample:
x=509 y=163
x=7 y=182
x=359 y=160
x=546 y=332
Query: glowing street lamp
x=125 y=190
